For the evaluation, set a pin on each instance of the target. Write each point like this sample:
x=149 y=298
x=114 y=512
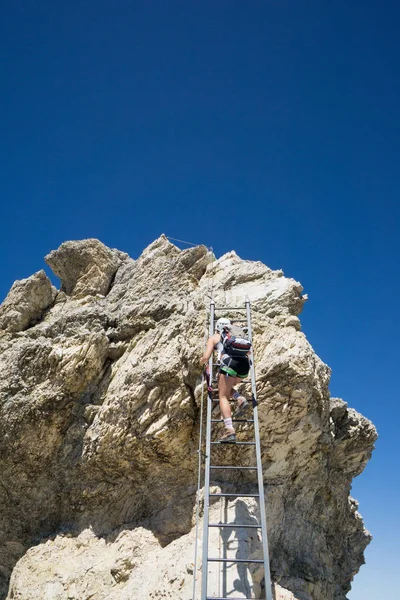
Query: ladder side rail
x=204 y=572
x=263 y=519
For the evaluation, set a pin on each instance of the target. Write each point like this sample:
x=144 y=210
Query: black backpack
x=235 y=341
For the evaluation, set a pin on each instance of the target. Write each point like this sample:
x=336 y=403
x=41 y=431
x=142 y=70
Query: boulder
x=26 y=302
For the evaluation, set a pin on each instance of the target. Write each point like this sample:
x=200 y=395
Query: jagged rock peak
x=100 y=403
x=85 y=267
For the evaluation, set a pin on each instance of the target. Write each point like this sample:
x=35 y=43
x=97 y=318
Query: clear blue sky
x=268 y=127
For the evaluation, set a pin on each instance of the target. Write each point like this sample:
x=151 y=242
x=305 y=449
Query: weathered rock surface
x=131 y=564
x=85 y=267
x=99 y=421
x=26 y=302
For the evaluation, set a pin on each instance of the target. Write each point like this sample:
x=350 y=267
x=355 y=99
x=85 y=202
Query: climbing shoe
x=228 y=436
x=242 y=406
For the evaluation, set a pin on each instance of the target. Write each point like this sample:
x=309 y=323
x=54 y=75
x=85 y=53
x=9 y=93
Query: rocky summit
x=100 y=404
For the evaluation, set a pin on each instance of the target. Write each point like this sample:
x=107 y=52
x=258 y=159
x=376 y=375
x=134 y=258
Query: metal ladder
x=206 y=559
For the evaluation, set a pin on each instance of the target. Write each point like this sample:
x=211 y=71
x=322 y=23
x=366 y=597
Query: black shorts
x=234 y=367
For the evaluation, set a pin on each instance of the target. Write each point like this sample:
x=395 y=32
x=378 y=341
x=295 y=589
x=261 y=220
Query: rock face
x=100 y=399
x=26 y=302
x=84 y=267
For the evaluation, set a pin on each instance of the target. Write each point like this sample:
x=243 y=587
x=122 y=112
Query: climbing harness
x=209 y=444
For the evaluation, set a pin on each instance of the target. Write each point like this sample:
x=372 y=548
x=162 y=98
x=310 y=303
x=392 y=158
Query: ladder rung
x=229 y=308
x=236 y=443
x=236 y=560
x=233 y=420
x=217 y=399
x=229 y=467
x=234 y=525
x=243 y=382
x=236 y=495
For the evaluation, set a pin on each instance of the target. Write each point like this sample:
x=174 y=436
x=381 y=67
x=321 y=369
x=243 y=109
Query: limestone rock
x=26 y=302
x=132 y=564
x=269 y=291
x=348 y=428
x=99 y=419
x=85 y=267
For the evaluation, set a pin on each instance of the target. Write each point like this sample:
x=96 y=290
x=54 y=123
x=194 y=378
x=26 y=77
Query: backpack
x=235 y=341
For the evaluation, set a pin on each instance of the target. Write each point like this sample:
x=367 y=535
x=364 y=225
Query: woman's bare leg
x=225 y=385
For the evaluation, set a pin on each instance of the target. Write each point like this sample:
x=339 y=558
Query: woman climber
x=233 y=348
